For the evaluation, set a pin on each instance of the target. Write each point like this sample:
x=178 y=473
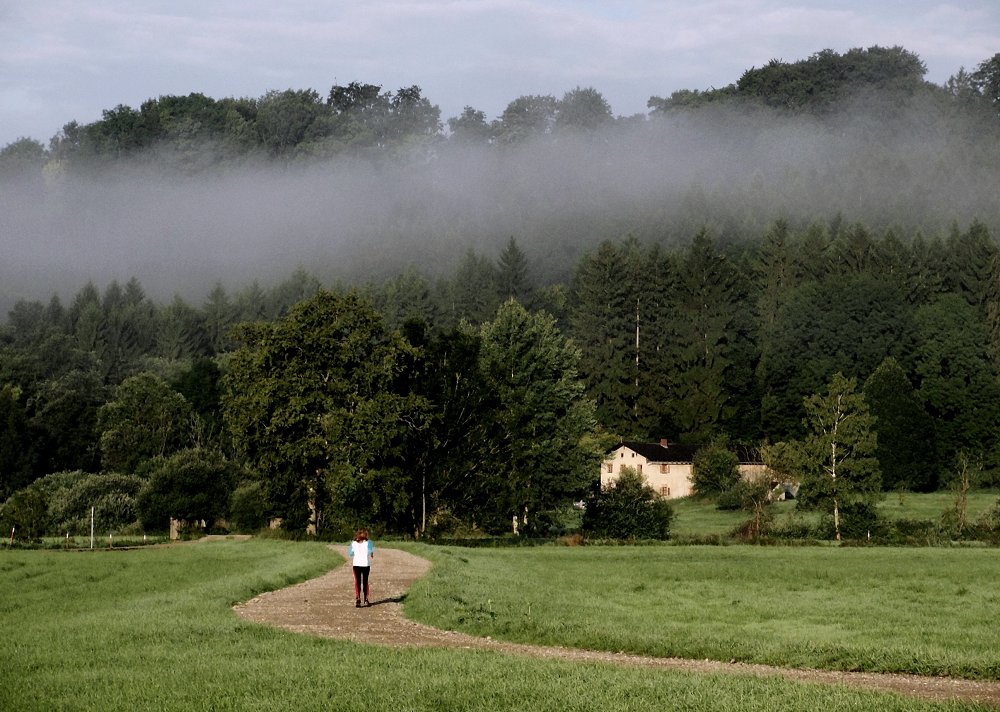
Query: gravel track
x=324 y=606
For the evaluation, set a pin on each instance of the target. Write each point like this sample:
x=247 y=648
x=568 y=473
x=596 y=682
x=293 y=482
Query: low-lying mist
x=913 y=168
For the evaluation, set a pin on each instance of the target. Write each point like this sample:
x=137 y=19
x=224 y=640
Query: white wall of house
x=668 y=479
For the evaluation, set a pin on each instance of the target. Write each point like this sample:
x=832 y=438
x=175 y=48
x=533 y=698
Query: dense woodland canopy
x=636 y=301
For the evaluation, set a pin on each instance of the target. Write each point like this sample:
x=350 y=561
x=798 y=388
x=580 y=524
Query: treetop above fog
x=196 y=132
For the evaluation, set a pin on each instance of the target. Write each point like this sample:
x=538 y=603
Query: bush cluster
x=628 y=509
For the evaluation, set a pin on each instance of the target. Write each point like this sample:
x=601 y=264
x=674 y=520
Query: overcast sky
x=63 y=60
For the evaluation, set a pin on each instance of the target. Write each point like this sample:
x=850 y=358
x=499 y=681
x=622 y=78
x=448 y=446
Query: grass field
x=926 y=611
x=153 y=629
x=698 y=518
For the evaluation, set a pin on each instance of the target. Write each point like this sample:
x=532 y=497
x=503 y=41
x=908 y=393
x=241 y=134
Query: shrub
x=190 y=485
x=111 y=495
x=731 y=499
x=858 y=520
x=248 y=507
x=555 y=522
x=628 y=509
x=716 y=470
x=26 y=513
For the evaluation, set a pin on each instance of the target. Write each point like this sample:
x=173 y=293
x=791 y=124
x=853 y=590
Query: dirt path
x=324 y=606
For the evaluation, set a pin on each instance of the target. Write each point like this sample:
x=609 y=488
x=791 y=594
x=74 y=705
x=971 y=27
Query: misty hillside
x=486 y=308
x=184 y=192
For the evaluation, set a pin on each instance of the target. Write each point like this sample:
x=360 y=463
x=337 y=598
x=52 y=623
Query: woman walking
x=361 y=552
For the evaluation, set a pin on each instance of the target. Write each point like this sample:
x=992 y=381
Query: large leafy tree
x=837 y=454
x=145 y=419
x=544 y=453
x=310 y=401
x=22 y=162
x=583 y=110
x=527 y=117
x=986 y=80
x=366 y=117
x=447 y=456
x=628 y=509
x=469 y=127
x=189 y=485
x=65 y=416
x=289 y=118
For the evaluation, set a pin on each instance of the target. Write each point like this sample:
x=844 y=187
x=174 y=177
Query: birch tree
x=837 y=456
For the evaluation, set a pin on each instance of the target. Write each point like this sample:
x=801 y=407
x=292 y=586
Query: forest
x=477 y=313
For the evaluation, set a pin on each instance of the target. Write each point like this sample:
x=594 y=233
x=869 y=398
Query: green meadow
x=153 y=628
x=930 y=611
x=700 y=518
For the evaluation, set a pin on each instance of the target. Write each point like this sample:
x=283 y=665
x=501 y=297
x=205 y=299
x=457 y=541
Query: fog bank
x=913 y=168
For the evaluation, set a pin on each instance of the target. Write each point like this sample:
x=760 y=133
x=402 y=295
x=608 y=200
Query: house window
x=622 y=468
x=638 y=468
x=664 y=469
x=623 y=453
x=611 y=468
x=665 y=491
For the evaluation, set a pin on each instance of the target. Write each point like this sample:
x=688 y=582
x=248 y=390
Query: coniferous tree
x=513 y=281
x=473 y=289
x=219 y=316
x=955 y=378
x=846 y=324
x=968 y=265
x=905 y=449
x=710 y=349
x=17 y=445
x=610 y=300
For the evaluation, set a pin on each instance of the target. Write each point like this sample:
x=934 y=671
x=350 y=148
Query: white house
x=666 y=466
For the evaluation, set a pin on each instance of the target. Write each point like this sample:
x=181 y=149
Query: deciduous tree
x=837 y=455
x=544 y=453
x=145 y=419
x=310 y=401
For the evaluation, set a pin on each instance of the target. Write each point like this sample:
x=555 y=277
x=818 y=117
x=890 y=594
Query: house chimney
x=664 y=442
